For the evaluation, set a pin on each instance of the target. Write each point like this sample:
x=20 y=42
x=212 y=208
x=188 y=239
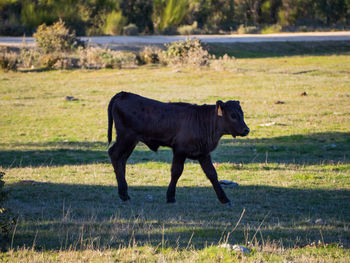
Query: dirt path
x=156 y=40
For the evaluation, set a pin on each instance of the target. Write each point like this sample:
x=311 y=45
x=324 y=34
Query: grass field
x=293 y=169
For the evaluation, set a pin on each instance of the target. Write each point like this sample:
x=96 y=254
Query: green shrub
x=242 y=29
x=172 y=14
x=114 y=23
x=186 y=53
x=130 y=30
x=271 y=29
x=9 y=60
x=55 y=38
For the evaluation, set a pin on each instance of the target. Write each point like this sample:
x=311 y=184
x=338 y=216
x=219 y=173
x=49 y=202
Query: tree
x=215 y=14
x=138 y=12
x=269 y=11
x=249 y=11
x=331 y=11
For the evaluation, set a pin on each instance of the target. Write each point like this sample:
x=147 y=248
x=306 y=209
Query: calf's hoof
x=172 y=201
x=228 y=204
x=124 y=197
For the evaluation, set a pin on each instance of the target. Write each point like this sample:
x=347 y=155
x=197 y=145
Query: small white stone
x=267 y=124
x=227 y=183
x=237 y=248
x=241 y=249
x=319 y=221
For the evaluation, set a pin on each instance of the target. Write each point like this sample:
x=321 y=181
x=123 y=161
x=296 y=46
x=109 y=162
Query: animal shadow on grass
x=59 y=216
x=317 y=148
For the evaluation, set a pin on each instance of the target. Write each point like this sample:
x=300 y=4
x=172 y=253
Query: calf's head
x=233 y=117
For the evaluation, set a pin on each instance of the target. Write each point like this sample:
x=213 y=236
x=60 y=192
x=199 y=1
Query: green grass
x=290 y=173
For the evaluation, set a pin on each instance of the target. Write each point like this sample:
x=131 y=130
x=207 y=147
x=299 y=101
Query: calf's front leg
x=209 y=170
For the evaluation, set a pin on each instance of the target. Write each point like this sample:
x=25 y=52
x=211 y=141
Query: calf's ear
x=219 y=106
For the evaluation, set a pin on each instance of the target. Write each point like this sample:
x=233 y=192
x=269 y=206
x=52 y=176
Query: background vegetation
x=57 y=48
x=101 y=17
x=292 y=170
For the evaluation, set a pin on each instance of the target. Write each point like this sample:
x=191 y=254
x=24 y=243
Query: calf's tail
x=110 y=120
x=110 y=113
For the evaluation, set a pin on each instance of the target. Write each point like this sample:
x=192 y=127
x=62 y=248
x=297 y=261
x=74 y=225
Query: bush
x=170 y=31
x=90 y=58
x=304 y=29
x=189 y=52
x=149 y=55
x=189 y=29
x=242 y=29
x=55 y=38
x=49 y=60
x=97 y=58
x=29 y=57
x=130 y=30
x=271 y=29
x=9 y=60
x=223 y=63
x=6 y=219
x=110 y=59
x=66 y=62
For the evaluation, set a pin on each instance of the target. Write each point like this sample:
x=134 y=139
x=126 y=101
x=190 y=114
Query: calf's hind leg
x=119 y=153
x=177 y=167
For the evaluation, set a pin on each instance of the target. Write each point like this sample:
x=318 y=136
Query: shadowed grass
x=95 y=212
x=280 y=49
x=318 y=148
